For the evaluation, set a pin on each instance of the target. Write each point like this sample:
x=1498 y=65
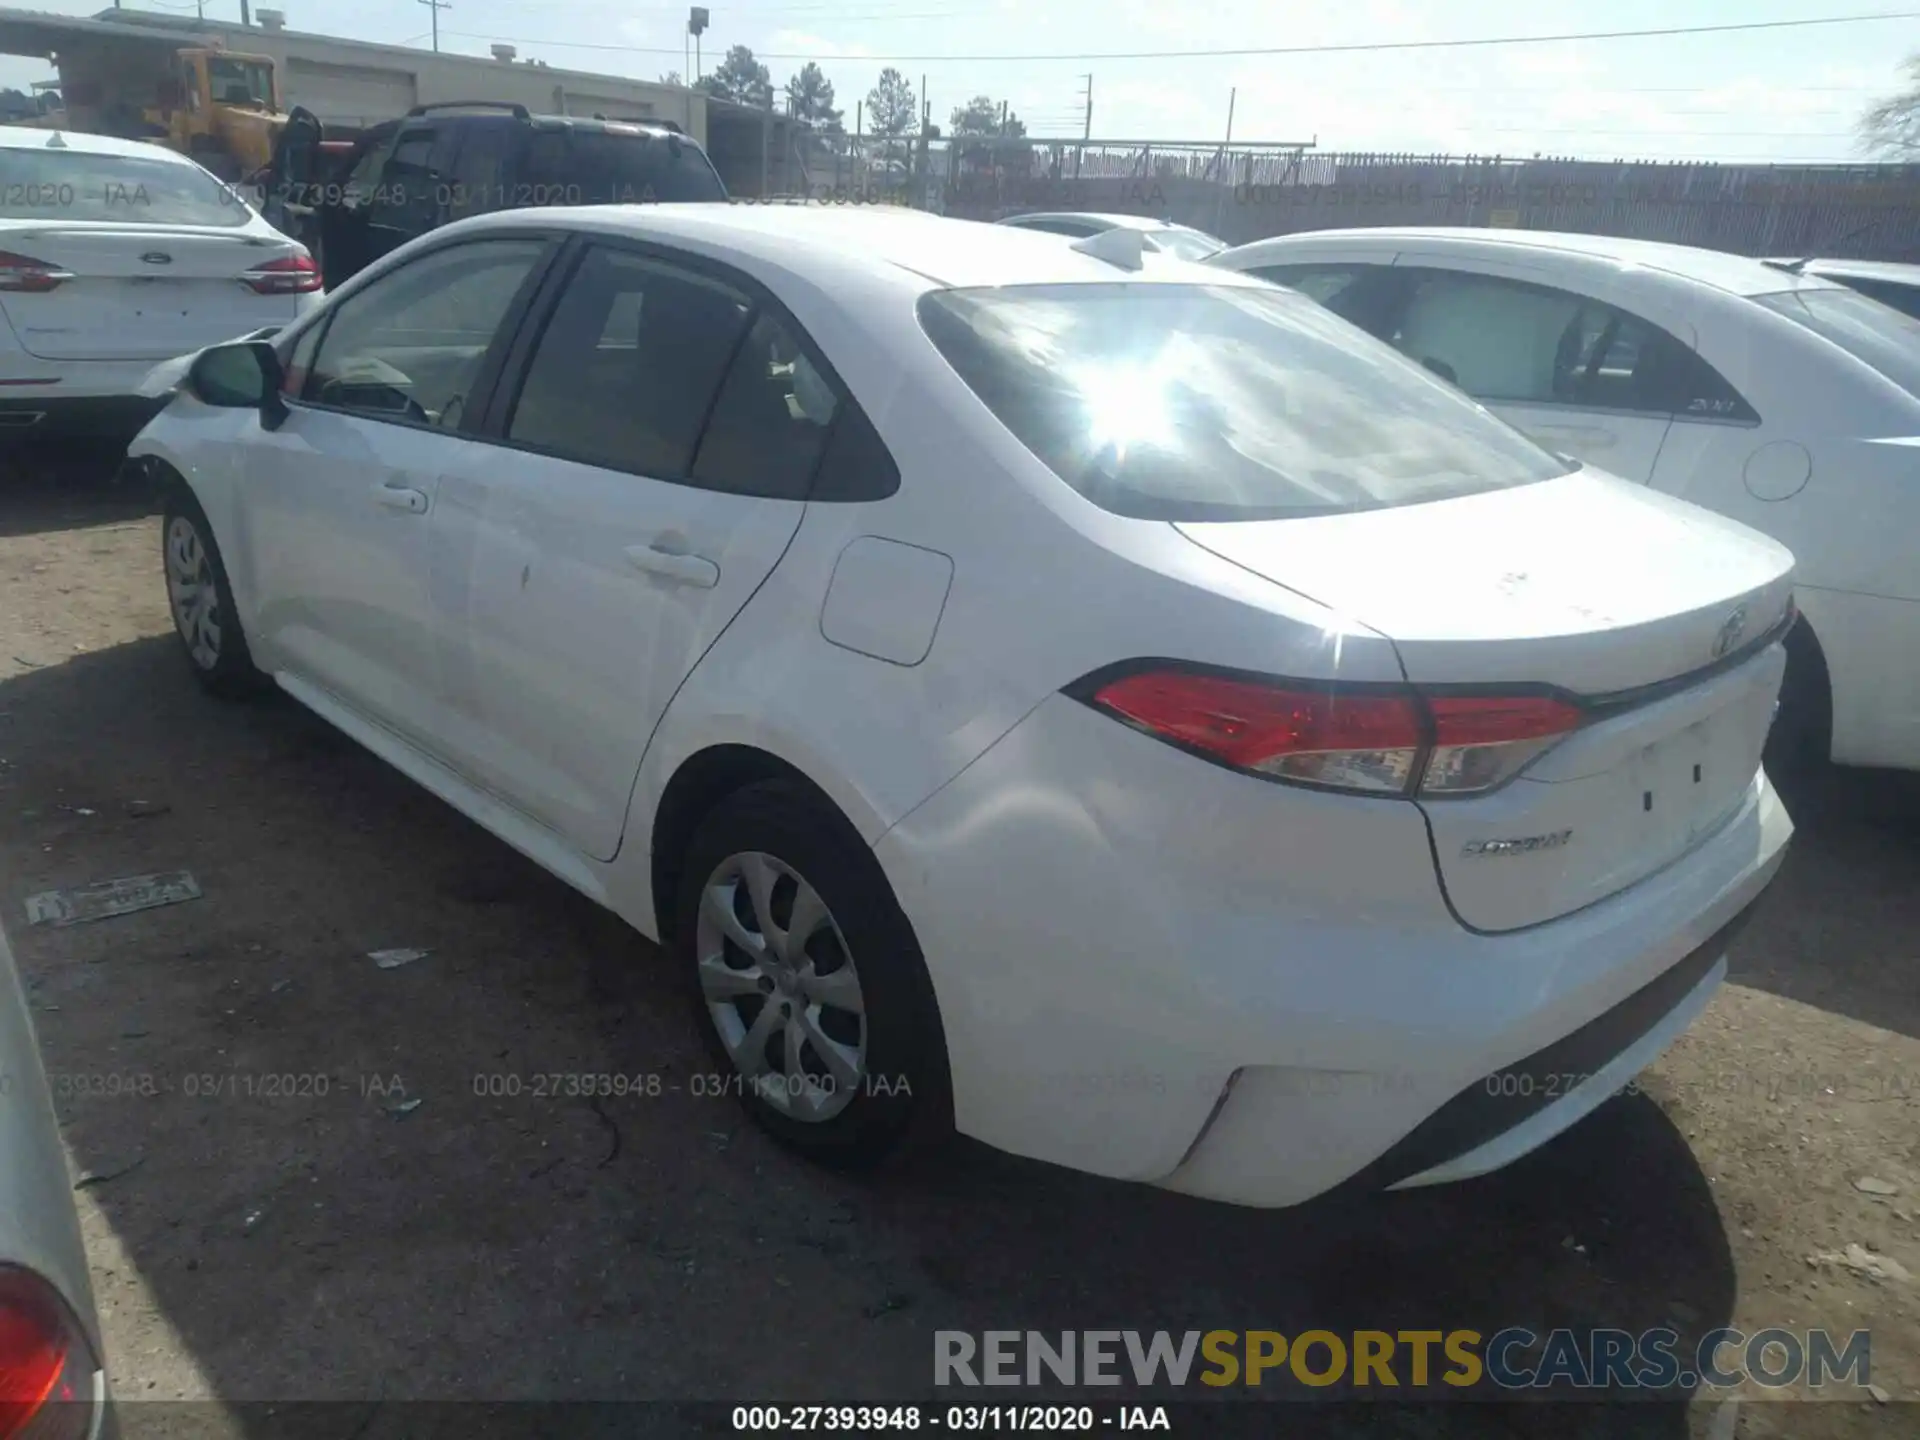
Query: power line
x=1367 y=47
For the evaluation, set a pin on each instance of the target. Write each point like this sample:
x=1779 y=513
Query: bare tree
x=1892 y=126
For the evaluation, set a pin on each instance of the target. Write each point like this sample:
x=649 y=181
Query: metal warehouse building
x=356 y=83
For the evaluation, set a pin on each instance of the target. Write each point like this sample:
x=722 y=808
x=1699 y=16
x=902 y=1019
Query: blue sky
x=1781 y=95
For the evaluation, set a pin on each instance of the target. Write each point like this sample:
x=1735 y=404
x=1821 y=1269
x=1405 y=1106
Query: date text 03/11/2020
x=963 y=1419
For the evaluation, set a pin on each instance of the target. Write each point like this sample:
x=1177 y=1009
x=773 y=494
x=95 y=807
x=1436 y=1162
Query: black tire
x=903 y=1104
x=225 y=667
x=1800 y=745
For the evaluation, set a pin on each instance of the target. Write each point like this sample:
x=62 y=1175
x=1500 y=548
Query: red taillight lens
x=1351 y=740
x=1375 y=740
x=1480 y=741
x=22 y=274
x=293 y=275
x=46 y=1366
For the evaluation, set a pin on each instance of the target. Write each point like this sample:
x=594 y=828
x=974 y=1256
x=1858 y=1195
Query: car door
x=407 y=200
x=341 y=207
x=1579 y=375
x=619 y=530
x=337 y=503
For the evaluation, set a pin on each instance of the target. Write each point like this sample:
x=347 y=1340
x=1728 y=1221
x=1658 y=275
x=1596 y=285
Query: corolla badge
x=1731 y=629
x=1519 y=845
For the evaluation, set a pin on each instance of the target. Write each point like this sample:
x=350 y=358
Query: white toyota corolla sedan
x=1126 y=713
x=1786 y=401
x=115 y=254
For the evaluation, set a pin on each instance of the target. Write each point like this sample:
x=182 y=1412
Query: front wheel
x=807 y=981
x=202 y=601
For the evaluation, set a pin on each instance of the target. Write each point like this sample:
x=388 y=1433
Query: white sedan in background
x=1120 y=710
x=115 y=254
x=1788 y=402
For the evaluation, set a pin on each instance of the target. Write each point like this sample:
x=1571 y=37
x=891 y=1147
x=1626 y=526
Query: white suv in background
x=1788 y=402
x=115 y=254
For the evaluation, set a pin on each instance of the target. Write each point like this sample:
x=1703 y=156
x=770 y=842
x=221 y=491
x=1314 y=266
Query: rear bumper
x=1256 y=994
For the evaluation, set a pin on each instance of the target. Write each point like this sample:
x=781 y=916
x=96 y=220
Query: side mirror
x=244 y=375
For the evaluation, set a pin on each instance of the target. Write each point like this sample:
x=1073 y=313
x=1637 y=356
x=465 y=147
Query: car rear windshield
x=1186 y=244
x=1869 y=331
x=61 y=185
x=622 y=167
x=1202 y=402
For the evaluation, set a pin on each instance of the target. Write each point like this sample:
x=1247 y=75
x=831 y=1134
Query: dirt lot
x=337 y=1246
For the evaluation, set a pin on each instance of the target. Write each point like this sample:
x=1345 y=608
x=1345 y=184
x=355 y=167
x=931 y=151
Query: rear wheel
x=807 y=982
x=201 y=599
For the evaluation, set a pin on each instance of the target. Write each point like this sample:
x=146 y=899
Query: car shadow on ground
x=70 y=486
x=310 y=1232
x=1850 y=885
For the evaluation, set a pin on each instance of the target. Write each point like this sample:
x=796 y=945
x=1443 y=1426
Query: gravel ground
x=342 y=1242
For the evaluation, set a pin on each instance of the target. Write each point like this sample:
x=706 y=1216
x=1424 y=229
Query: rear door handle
x=695 y=570
x=399 y=497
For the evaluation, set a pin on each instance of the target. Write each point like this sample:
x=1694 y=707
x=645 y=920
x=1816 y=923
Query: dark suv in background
x=442 y=163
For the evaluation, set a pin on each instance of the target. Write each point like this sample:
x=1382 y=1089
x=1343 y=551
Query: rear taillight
x=22 y=274
x=46 y=1365
x=1483 y=741
x=1372 y=739
x=293 y=275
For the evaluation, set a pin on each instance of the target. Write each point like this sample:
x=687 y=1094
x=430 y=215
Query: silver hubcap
x=196 y=601
x=780 y=984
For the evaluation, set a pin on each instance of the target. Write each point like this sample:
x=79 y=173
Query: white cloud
x=799 y=42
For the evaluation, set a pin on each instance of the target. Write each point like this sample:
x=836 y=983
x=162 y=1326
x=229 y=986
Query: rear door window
x=629 y=364
x=403 y=199
x=620 y=165
x=476 y=183
x=1203 y=402
x=1510 y=341
x=771 y=421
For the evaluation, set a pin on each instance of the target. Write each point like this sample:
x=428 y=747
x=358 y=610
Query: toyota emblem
x=1731 y=629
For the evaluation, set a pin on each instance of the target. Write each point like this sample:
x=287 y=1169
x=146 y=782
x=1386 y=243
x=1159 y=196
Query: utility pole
x=246 y=16
x=1086 y=128
x=436 y=6
x=1226 y=161
x=697 y=19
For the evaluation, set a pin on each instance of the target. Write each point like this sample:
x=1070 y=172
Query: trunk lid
x=1645 y=607
x=140 y=292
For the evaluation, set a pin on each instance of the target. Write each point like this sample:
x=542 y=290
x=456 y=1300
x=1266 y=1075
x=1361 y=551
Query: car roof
x=28 y=137
x=1736 y=274
x=798 y=239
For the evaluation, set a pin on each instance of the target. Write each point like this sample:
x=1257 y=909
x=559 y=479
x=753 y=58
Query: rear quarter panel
x=38 y=1226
